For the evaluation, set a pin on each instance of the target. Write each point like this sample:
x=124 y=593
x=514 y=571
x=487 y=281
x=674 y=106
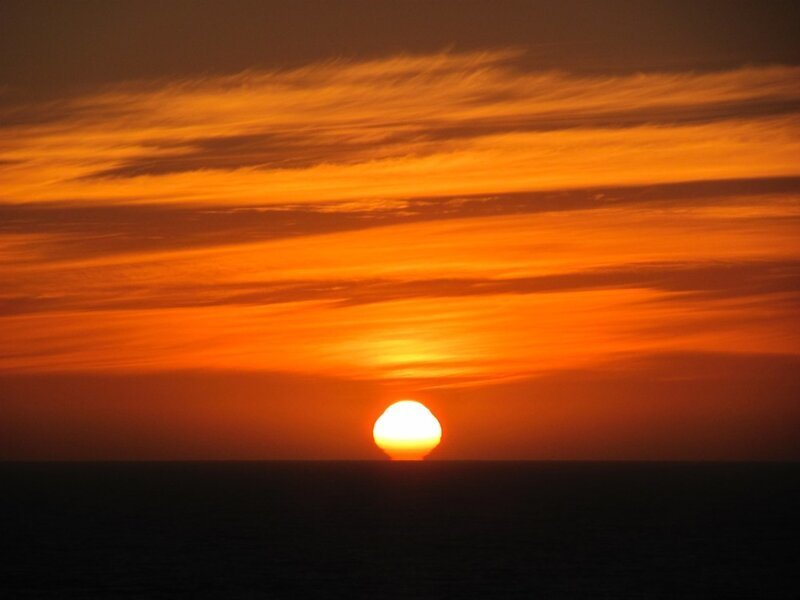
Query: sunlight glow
x=407 y=430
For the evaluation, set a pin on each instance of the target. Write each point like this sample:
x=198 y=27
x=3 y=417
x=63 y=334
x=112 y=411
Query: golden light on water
x=407 y=430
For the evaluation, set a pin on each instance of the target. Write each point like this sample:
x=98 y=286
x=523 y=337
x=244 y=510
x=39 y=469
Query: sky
x=240 y=230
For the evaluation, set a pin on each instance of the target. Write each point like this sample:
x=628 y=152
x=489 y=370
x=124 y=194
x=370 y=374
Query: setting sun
x=400 y=299
x=407 y=430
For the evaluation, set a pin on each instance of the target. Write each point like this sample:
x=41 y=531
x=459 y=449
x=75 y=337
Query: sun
x=407 y=430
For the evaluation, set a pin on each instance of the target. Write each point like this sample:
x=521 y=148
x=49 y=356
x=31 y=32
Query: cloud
x=699 y=280
x=65 y=230
x=398 y=127
x=446 y=217
x=305 y=149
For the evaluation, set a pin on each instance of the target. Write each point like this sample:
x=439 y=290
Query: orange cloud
x=401 y=127
x=445 y=217
x=442 y=225
x=461 y=298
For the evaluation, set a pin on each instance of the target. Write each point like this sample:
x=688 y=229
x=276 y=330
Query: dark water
x=391 y=530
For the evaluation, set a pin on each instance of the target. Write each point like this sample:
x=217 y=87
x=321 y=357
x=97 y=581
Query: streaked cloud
x=694 y=280
x=397 y=128
x=67 y=231
x=440 y=219
x=445 y=300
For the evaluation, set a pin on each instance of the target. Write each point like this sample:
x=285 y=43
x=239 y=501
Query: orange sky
x=252 y=264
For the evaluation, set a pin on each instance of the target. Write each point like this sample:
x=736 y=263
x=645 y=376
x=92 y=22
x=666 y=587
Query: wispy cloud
x=63 y=231
x=399 y=127
x=695 y=280
x=455 y=299
x=446 y=218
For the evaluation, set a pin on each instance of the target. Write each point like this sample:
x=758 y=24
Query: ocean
x=399 y=530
